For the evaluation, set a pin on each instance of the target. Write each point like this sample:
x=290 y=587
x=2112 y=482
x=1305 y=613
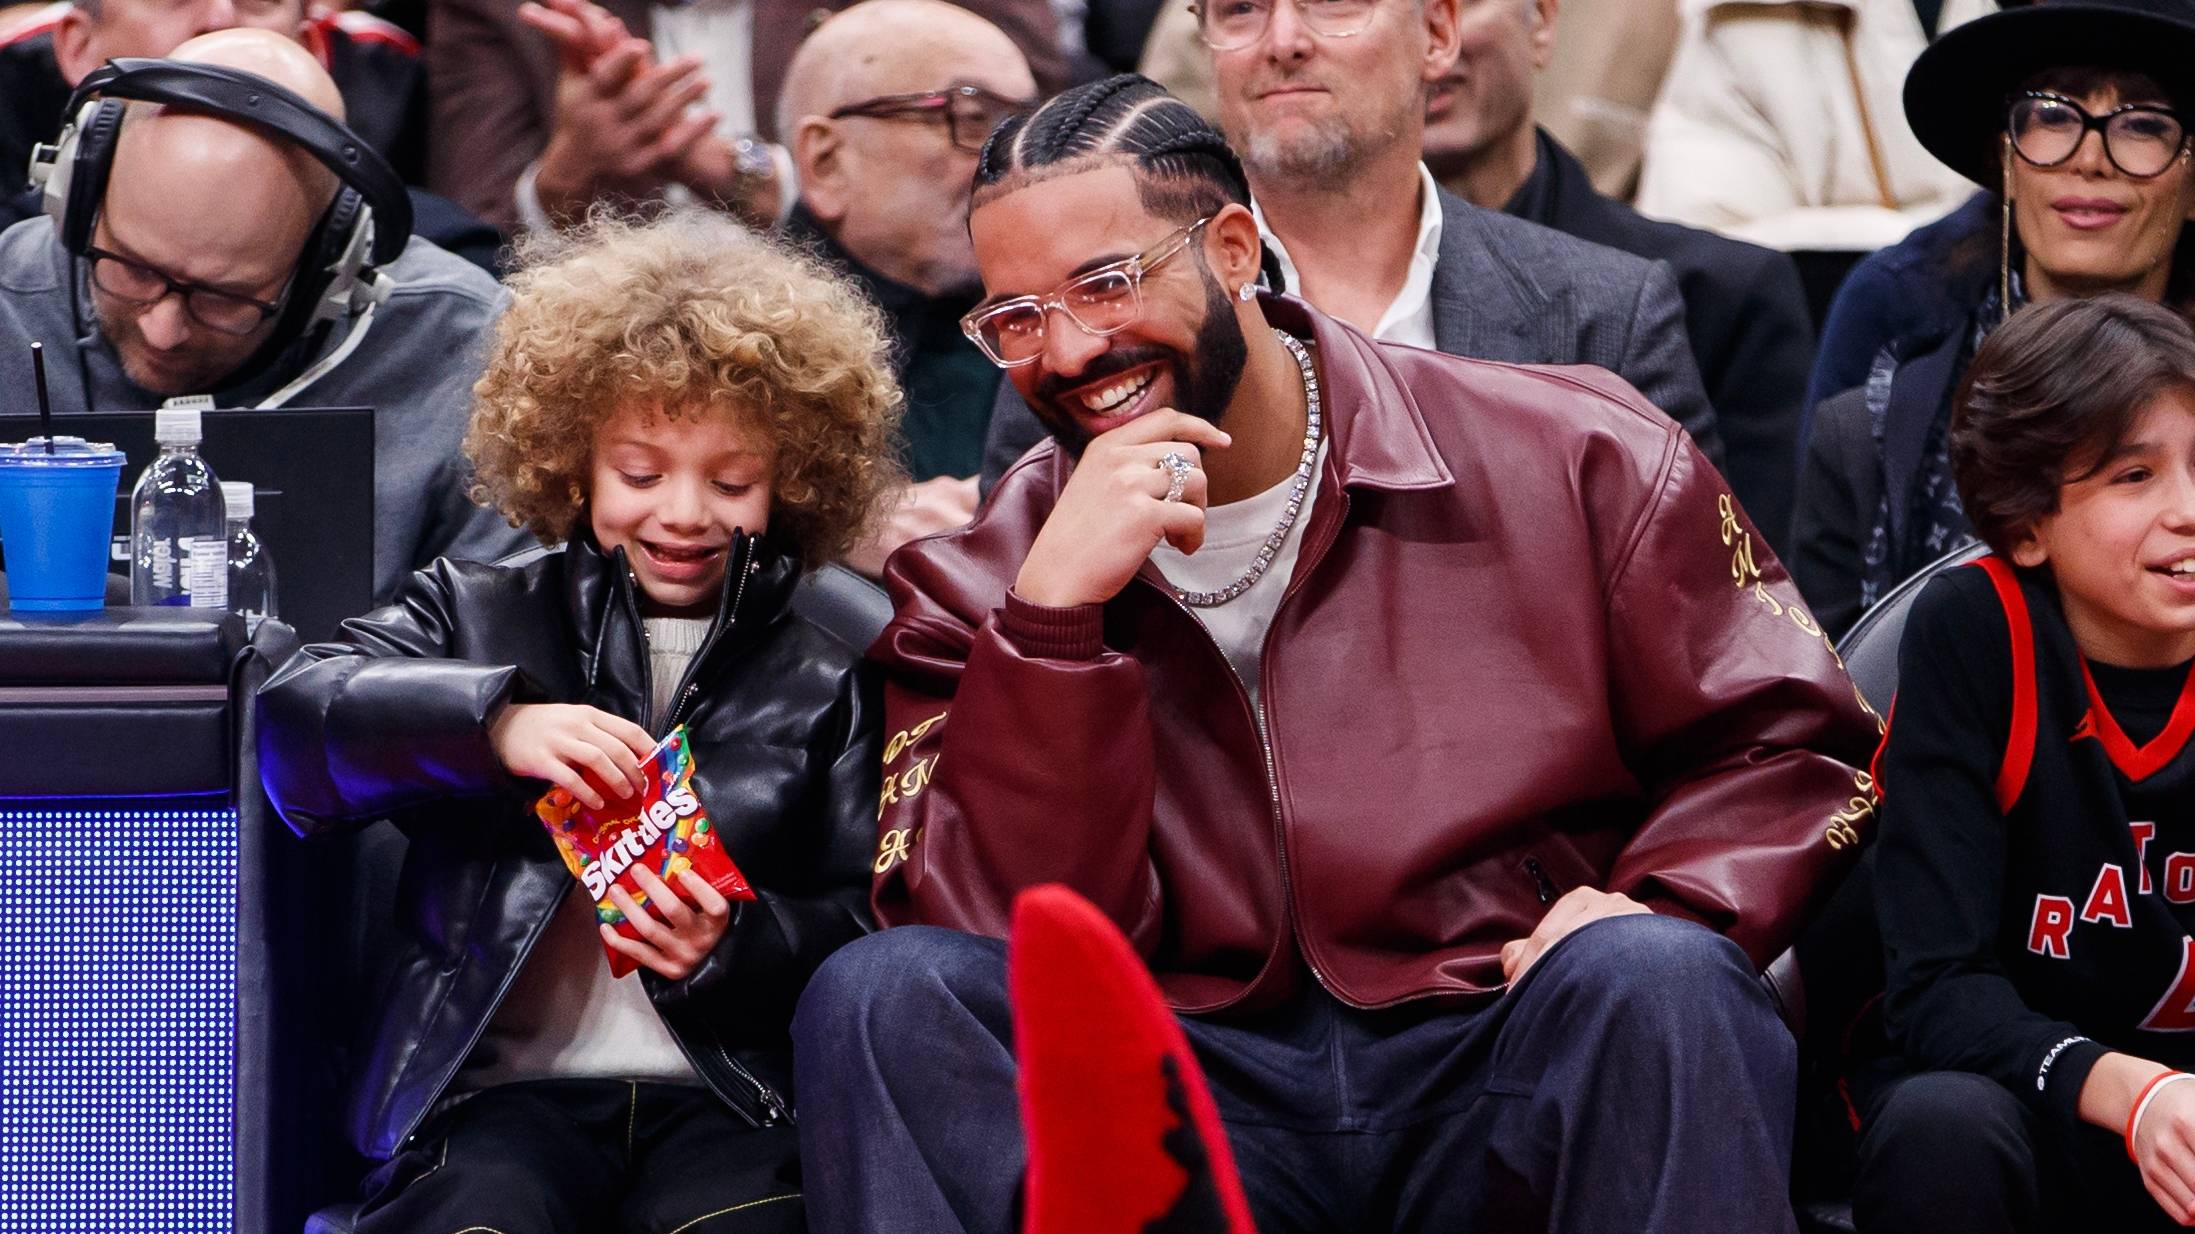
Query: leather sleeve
x=382 y=719
x=1737 y=717
x=487 y=121
x=778 y=939
x=1658 y=360
x=1020 y=753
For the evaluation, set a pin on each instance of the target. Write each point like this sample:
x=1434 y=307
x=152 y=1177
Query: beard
x=1319 y=156
x=1330 y=148
x=1204 y=380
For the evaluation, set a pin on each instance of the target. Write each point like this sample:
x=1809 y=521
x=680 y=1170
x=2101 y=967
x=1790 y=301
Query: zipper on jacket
x=774 y=1109
x=689 y=689
x=1265 y=734
x=1256 y=709
x=1306 y=560
x=1544 y=885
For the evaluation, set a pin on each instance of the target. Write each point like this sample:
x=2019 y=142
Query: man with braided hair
x=1326 y=104
x=1437 y=730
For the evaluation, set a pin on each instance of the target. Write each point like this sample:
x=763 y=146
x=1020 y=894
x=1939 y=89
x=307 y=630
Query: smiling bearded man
x=1402 y=711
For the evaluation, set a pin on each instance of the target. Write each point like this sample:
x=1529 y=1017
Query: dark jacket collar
x=1380 y=440
x=605 y=605
x=1557 y=188
x=1922 y=371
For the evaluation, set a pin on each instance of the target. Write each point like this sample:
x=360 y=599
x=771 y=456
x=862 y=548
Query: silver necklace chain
x=1298 y=487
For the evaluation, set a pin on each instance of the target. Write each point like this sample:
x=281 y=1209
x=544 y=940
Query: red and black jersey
x=2036 y=871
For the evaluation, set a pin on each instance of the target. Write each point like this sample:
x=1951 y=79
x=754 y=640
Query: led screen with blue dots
x=117 y=1021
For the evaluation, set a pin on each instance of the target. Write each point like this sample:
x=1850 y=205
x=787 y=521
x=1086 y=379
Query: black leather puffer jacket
x=392 y=722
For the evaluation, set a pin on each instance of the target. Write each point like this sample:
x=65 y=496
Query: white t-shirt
x=1233 y=534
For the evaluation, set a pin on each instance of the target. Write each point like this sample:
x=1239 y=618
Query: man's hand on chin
x=1566 y=914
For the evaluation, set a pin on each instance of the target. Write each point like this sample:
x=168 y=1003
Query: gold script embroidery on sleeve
x=1745 y=572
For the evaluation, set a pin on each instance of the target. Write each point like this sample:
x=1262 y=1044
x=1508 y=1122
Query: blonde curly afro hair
x=686 y=314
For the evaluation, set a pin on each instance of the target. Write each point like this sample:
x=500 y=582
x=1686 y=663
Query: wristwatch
x=752 y=159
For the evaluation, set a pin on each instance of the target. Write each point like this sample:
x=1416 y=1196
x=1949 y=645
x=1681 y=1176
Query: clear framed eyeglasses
x=1228 y=25
x=1100 y=302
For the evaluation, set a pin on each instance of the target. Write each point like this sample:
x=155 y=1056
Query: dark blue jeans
x=1637 y=1080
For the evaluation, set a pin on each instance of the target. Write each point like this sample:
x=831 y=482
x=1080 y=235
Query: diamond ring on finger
x=1177 y=471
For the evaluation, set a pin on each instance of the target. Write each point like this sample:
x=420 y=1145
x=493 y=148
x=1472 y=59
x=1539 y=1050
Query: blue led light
x=117 y=1021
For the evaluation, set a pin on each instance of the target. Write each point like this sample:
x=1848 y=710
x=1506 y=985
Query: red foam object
x=1122 y=1134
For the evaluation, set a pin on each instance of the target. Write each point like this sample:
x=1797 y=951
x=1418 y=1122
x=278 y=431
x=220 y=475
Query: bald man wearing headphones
x=264 y=262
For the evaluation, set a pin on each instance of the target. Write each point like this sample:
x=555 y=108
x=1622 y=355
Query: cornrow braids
x=1184 y=167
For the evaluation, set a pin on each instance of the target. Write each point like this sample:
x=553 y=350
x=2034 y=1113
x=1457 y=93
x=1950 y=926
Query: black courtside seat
x=1841 y=950
x=355 y=917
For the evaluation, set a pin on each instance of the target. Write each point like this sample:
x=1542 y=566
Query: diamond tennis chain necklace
x=1297 y=488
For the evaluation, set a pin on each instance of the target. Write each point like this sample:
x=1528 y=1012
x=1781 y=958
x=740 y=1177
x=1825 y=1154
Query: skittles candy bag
x=663 y=827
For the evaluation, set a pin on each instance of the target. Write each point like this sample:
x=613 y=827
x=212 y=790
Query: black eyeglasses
x=969 y=112
x=224 y=312
x=2140 y=139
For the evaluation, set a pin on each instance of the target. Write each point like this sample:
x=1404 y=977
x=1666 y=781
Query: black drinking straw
x=45 y=405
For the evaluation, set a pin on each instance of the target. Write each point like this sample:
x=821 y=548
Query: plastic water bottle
x=179 y=548
x=251 y=569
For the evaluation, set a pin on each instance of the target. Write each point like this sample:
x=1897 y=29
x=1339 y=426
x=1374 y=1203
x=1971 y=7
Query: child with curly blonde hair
x=700 y=417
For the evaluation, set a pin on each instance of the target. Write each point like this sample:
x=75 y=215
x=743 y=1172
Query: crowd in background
x=1757 y=151
x=1797 y=230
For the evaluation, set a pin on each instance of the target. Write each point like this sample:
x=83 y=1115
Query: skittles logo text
x=631 y=844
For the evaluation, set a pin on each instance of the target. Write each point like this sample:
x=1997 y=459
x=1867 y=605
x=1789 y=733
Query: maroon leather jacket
x=1530 y=645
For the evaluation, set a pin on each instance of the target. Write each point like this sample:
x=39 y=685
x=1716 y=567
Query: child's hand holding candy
x=677 y=936
x=557 y=742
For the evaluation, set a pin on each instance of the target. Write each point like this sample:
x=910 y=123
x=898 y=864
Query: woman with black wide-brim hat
x=2073 y=117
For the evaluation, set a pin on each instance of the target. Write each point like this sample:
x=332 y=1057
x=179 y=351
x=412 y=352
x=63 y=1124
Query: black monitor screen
x=312 y=469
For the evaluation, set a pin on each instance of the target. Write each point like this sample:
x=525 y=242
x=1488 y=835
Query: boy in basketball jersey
x=2036 y=869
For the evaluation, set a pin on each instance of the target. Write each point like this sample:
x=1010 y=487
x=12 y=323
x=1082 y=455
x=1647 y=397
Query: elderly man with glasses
x=1439 y=732
x=884 y=109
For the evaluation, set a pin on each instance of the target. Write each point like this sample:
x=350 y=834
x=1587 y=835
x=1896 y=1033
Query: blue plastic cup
x=56 y=521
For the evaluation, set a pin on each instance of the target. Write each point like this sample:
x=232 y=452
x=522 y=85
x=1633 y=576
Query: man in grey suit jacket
x=1329 y=120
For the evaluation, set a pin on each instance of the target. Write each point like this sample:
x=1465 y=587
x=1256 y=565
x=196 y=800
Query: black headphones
x=365 y=227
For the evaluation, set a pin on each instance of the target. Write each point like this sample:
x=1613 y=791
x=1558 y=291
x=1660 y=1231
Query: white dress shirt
x=1409 y=319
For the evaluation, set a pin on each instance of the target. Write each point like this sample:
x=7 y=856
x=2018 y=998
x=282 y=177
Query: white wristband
x=2134 y=1124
